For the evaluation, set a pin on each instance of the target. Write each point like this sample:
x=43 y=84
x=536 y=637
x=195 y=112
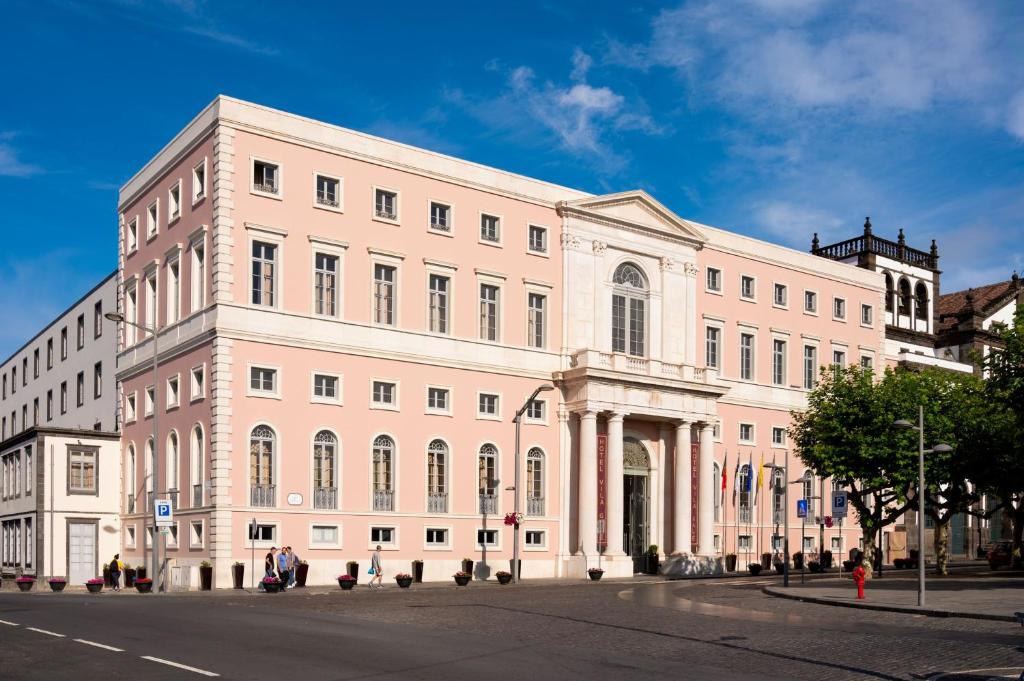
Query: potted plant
x=815 y=566
x=730 y=562
x=144 y=585
x=595 y=574
x=766 y=561
x=779 y=563
x=94 y=585
x=848 y=565
x=467 y=565
x=404 y=579
x=417 y=571
x=346 y=582
x=301 y=572
x=826 y=559
x=651 y=560
x=755 y=569
x=25 y=582
x=899 y=563
x=237 y=573
x=140 y=572
x=129 y=575
x=798 y=560
x=462 y=578
x=353 y=569
x=205 y=576
x=271 y=585
x=57 y=583
x=503 y=577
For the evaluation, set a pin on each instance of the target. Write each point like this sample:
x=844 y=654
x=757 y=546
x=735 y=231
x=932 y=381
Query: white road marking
x=179 y=665
x=98 y=645
x=44 y=631
x=10 y=624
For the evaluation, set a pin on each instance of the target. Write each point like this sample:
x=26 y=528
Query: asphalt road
x=679 y=630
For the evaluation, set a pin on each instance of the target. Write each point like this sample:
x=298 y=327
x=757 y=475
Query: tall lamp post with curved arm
x=515 y=485
x=155 y=555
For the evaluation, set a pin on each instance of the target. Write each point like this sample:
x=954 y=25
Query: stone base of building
x=680 y=565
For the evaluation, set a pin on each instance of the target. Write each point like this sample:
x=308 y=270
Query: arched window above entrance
x=629 y=310
x=634 y=455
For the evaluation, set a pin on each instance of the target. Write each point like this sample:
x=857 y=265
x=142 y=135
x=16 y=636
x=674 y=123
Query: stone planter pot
x=238 y=575
x=205 y=578
x=353 y=569
x=463 y=580
x=301 y=571
x=25 y=586
x=815 y=566
x=347 y=584
x=129 y=577
x=57 y=586
x=417 y=571
x=94 y=588
x=467 y=566
x=595 y=575
x=754 y=568
x=730 y=562
x=780 y=567
x=504 y=579
x=404 y=582
x=272 y=587
x=140 y=572
x=766 y=561
x=144 y=587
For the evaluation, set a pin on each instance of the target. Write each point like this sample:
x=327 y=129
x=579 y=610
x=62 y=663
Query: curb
x=904 y=609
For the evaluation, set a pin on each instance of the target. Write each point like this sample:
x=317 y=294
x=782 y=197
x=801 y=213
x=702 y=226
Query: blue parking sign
x=164 y=513
x=801 y=508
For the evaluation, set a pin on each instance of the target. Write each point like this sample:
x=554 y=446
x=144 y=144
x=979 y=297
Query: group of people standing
x=285 y=561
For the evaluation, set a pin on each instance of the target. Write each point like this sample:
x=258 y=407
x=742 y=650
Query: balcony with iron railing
x=535 y=506
x=439 y=226
x=488 y=504
x=265 y=187
x=745 y=515
x=262 y=495
x=383 y=500
x=617 y=361
x=869 y=243
x=386 y=214
x=325 y=498
x=328 y=199
x=437 y=503
x=172 y=495
x=197 y=495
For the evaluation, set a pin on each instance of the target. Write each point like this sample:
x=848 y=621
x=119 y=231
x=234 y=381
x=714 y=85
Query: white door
x=81 y=552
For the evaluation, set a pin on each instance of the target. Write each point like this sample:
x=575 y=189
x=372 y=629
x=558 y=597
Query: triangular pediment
x=636 y=209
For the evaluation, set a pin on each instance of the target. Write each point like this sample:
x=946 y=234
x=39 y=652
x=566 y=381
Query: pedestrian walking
x=116 y=568
x=282 y=567
x=378 y=574
x=293 y=566
x=268 y=564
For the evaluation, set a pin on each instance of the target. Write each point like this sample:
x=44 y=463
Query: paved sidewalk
x=995 y=597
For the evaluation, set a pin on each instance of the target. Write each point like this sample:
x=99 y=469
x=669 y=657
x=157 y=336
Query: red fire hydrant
x=858 y=579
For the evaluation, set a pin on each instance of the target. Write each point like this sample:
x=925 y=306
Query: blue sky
x=775 y=118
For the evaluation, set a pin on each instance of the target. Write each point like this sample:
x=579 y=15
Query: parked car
x=999 y=554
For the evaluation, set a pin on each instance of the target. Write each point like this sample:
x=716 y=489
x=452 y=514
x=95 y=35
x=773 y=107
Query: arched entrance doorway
x=636 y=465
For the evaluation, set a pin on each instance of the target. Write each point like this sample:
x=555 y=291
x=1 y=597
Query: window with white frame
x=263 y=380
x=747 y=433
x=325 y=486
x=266 y=177
x=132 y=235
x=537 y=239
x=196 y=534
x=744 y=543
x=152 y=224
x=747 y=356
x=328 y=191
x=325 y=284
x=536 y=320
x=810 y=302
x=197 y=383
x=487 y=405
x=490 y=228
x=82 y=464
x=778 y=436
x=839 y=358
x=781 y=295
x=810 y=366
x=172 y=392
x=383 y=480
x=436 y=537
x=747 y=287
x=173 y=291
x=439 y=287
x=437 y=476
x=129 y=540
x=713 y=280
x=199 y=181
x=438 y=399
x=323 y=535
x=131 y=306
x=197 y=288
x=264 y=273
x=262 y=449
x=866 y=362
x=536 y=410
x=384 y=279
x=149 y=401
x=440 y=217
x=839 y=308
x=385 y=204
x=486 y=538
x=385 y=394
x=174 y=202
x=778 y=361
x=262 y=533
x=534 y=539
x=490 y=309
x=629 y=310
x=867 y=315
x=535 y=482
x=487 y=468
x=384 y=536
x=712 y=340
x=326 y=387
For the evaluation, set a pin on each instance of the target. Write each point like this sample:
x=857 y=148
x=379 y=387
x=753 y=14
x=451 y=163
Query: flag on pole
x=725 y=474
x=736 y=479
x=750 y=472
x=760 y=480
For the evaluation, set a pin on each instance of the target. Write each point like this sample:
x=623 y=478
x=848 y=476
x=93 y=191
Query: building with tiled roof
x=967 y=321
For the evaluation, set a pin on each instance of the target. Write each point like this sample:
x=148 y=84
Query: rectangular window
x=24 y=371
x=744 y=544
x=82 y=471
x=747 y=285
x=810 y=302
x=487 y=538
x=263 y=380
x=437 y=399
x=198 y=383
x=150 y=400
x=197 y=288
x=80 y=331
x=839 y=359
x=151 y=300
x=440 y=217
x=328 y=191
x=385 y=204
x=866 y=362
x=266 y=177
x=384 y=294
x=325 y=284
x=49 y=405
x=536 y=326
x=49 y=357
x=63 y=398
x=534 y=538
x=714 y=280
x=80 y=389
x=132 y=235
x=810 y=367
x=778 y=362
x=711 y=341
x=781 y=296
x=64 y=343
x=97 y=380
x=195 y=534
x=262 y=532
x=5 y=387
x=779 y=436
x=35 y=363
x=129 y=408
x=35 y=411
x=536 y=410
x=324 y=535
x=151 y=220
x=173 y=291
x=489 y=310
x=490 y=228
x=174 y=202
x=130 y=536
x=747 y=356
x=130 y=314
x=325 y=386
x=437 y=536
x=172 y=392
x=839 y=308
x=437 y=303
x=537 y=239
x=382 y=535
x=866 y=315
x=385 y=394
x=97 y=319
x=488 y=405
x=264 y=273
x=199 y=181
x=747 y=433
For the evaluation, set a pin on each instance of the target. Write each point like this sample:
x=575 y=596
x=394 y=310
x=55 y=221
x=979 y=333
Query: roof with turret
x=982 y=300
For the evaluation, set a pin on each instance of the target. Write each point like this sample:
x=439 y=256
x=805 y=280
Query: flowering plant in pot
x=404 y=579
x=503 y=577
x=467 y=565
x=94 y=585
x=595 y=574
x=237 y=573
x=129 y=575
x=754 y=568
x=346 y=582
x=513 y=519
x=271 y=585
x=144 y=585
x=462 y=578
x=57 y=583
x=205 y=576
x=25 y=582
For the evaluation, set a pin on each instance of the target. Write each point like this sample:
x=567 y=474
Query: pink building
x=348 y=326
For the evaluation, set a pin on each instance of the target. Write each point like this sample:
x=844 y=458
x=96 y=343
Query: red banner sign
x=602 y=492
x=694 y=493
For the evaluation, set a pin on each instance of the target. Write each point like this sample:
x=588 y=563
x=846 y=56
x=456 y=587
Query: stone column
x=614 y=501
x=681 y=542
x=588 y=484
x=706 y=491
x=659 y=471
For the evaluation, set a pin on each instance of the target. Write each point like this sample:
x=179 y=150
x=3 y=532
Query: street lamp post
x=515 y=485
x=785 y=515
x=155 y=555
x=921 y=451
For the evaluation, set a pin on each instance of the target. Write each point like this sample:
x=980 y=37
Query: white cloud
x=794 y=224
x=1015 y=116
x=10 y=164
x=581 y=63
